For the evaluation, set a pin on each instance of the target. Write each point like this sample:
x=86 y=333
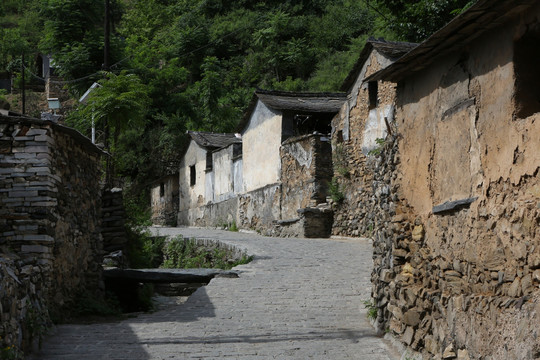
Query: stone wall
x=24 y=316
x=354 y=157
x=49 y=220
x=113 y=225
x=306 y=171
x=457 y=254
x=164 y=199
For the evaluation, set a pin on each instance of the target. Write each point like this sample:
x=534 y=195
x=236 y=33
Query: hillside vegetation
x=193 y=64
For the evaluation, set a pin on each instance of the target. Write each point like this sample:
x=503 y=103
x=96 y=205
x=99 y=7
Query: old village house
x=270 y=176
x=452 y=195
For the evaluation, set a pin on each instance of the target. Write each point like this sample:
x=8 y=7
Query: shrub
x=187 y=253
x=334 y=189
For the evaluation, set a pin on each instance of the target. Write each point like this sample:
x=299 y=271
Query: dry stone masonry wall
x=358 y=175
x=297 y=205
x=457 y=267
x=451 y=198
x=49 y=224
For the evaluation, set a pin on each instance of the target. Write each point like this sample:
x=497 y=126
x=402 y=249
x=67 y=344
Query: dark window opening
x=339 y=136
x=192 y=175
x=237 y=151
x=162 y=190
x=373 y=92
x=209 y=163
x=306 y=124
x=527 y=72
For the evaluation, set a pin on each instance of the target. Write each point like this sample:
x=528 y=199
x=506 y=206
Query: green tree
x=120 y=102
x=73 y=34
x=415 y=20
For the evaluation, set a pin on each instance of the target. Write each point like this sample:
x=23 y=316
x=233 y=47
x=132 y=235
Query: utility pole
x=106 y=66
x=23 y=86
x=107 y=35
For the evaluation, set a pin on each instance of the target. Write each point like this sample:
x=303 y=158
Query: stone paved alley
x=298 y=299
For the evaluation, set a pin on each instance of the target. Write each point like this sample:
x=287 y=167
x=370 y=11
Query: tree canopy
x=193 y=64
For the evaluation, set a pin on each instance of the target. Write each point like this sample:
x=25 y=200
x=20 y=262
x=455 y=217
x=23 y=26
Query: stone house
x=50 y=224
x=457 y=189
x=164 y=200
x=197 y=175
x=286 y=155
x=358 y=130
x=278 y=163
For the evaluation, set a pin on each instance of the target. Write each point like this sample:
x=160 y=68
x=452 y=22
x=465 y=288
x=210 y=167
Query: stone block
x=463 y=354
x=412 y=317
x=526 y=284
x=35 y=131
x=25 y=194
x=536 y=275
x=449 y=352
x=515 y=288
x=534 y=260
x=386 y=275
x=36 y=149
x=35 y=249
x=408 y=335
x=418 y=233
x=431 y=345
x=39 y=238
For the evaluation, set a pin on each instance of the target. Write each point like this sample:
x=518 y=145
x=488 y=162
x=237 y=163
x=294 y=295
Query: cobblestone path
x=298 y=299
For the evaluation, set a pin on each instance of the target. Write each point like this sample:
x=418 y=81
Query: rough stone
x=449 y=352
x=412 y=318
x=418 y=233
x=408 y=335
x=50 y=216
x=515 y=288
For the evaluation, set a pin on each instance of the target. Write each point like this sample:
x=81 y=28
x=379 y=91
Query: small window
x=209 y=163
x=527 y=91
x=192 y=175
x=162 y=190
x=373 y=91
x=339 y=136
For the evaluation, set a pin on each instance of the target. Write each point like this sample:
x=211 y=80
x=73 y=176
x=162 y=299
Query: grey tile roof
x=462 y=30
x=302 y=102
x=391 y=49
x=213 y=140
x=308 y=102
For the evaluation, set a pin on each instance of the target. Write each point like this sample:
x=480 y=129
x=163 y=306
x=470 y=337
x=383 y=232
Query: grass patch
x=180 y=253
x=371 y=310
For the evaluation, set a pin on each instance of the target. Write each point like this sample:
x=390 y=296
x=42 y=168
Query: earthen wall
x=457 y=257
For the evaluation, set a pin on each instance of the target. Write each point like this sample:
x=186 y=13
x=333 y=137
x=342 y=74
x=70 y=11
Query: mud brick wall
x=457 y=266
x=50 y=218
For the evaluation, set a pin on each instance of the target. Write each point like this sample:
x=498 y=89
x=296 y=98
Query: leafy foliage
x=335 y=190
x=416 y=20
x=187 y=253
x=193 y=64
